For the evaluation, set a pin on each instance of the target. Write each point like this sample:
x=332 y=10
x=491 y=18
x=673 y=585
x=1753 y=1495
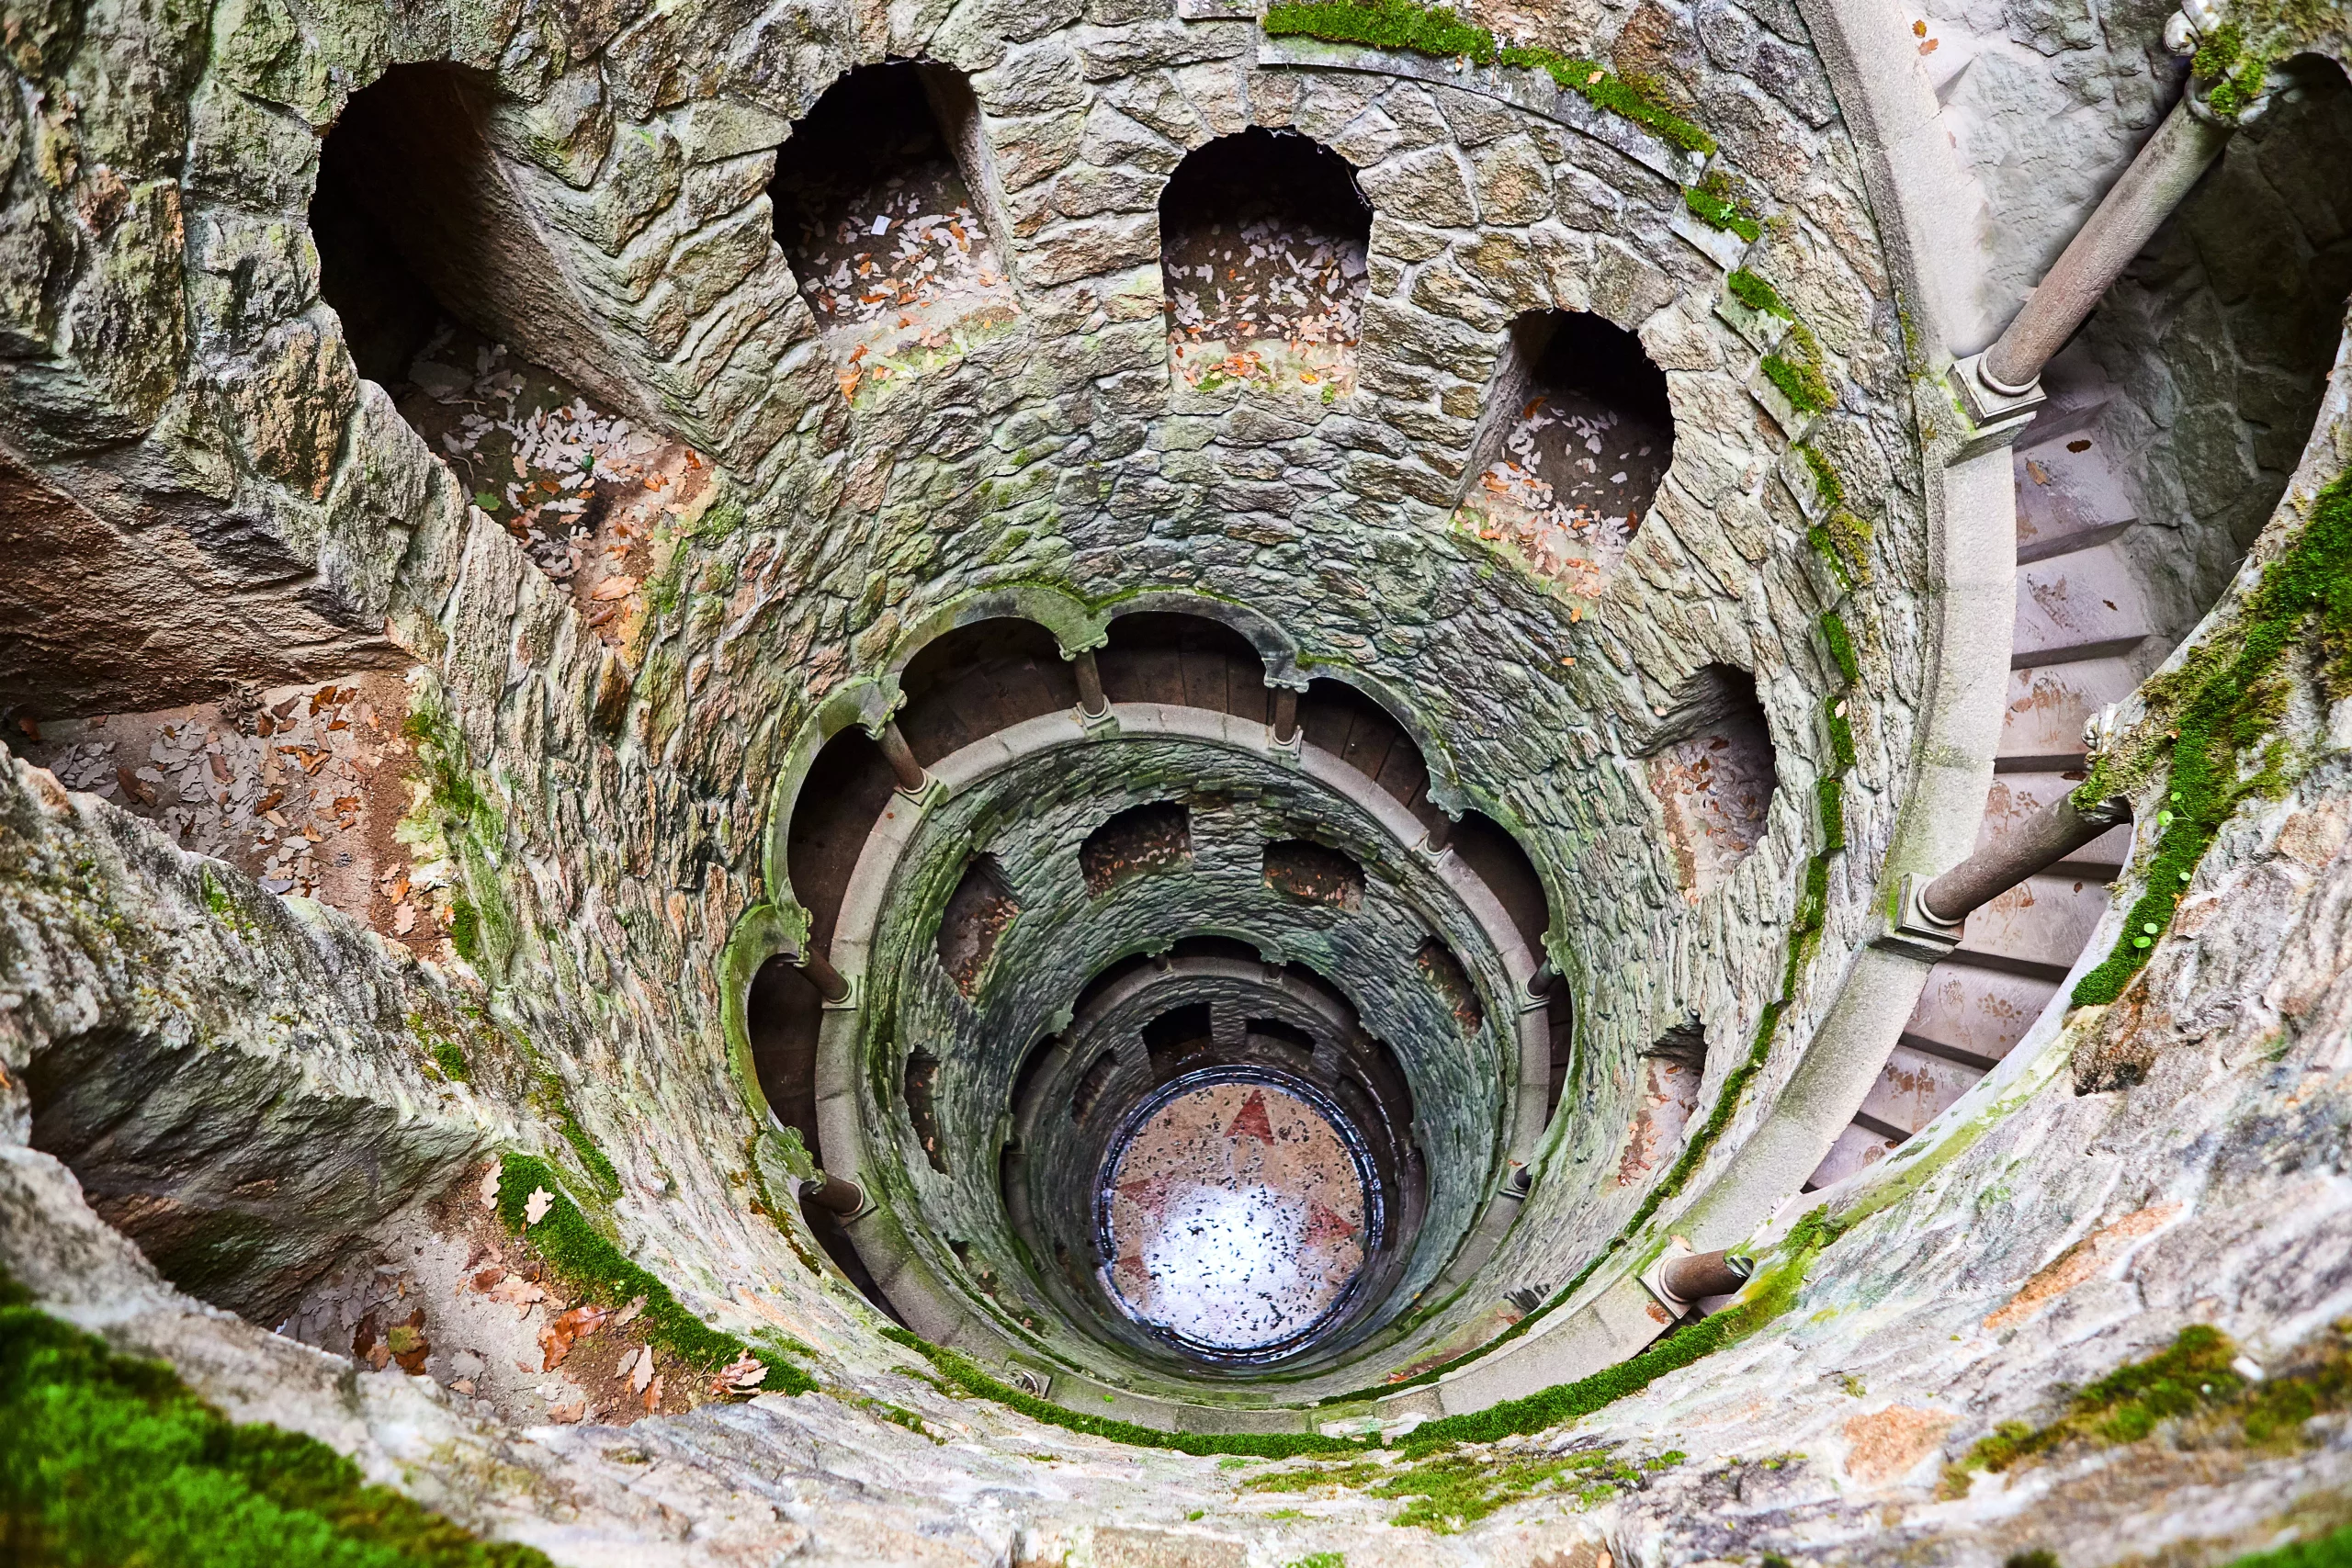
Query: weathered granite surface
x=179 y=419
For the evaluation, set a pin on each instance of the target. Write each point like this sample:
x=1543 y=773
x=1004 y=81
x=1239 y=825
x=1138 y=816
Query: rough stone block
x=1426 y=186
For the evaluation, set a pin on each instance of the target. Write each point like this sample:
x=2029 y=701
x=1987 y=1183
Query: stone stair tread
x=1914 y=1087
x=2039 y=926
x=2049 y=706
x=2016 y=799
x=2066 y=498
x=1855 y=1149
x=1975 y=1012
x=2085 y=600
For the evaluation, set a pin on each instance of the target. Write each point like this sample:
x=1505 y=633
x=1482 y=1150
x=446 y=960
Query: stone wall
x=626 y=790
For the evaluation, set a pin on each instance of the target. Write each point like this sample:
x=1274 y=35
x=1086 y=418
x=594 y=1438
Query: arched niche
x=1264 y=237
x=1711 y=763
x=417 y=225
x=1577 y=438
x=885 y=211
x=1186 y=661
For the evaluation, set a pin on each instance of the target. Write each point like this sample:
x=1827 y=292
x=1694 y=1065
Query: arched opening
x=882 y=208
x=976 y=914
x=1138 y=841
x=1186 y=661
x=450 y=303
x=978 y=678
x=1578 y=437
x=1486 y=848
x=1211 y=1115
x=1263 y=243
x=843 y=796
x=1335 y=717
x=1671 y=1070
x=1710 y=766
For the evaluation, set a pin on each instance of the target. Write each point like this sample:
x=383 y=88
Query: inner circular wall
x=1032 y=816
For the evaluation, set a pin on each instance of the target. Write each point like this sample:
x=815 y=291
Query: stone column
x=1090 y=700
x=824 y=977
x=2174 y=159
x=911 y=777
x=2001 y=388
x=2057 y=832
x=1286 y=716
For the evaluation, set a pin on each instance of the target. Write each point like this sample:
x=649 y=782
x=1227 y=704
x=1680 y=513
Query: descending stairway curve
x=2085 y=637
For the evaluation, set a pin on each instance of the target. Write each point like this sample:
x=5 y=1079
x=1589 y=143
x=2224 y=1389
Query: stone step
x=2048 y=705
x=2084 y=604
x=2016 y=799
x=2037 y=928
x=1973 y=1015
x=1912 y=1090
x=1856 y=1148
x=2068 y=499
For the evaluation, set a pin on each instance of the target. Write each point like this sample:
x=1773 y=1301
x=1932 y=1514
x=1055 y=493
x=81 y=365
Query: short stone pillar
x=911 y=777
x=2001 y=388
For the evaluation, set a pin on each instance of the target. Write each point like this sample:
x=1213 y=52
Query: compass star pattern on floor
x=1236 y=1217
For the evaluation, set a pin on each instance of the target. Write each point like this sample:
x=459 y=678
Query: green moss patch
x=2237 y=74
x=1795 y=369
x=2328 y=1552
x=968 y=1379
x=548 y=1098
x=1756 y=294
x=1713 y=202
x=584 y=1260
x=1440 y=34
x=2220 y=706
x=107 y=1459
x=1452 y=1491
x=2191 y=1380
x=1772 y=1293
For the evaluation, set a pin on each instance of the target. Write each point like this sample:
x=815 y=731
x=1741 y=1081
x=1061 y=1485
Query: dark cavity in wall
x=242 y=1182
x=979 y=679
x=922 y=1106
x=1314 y=872
x=882 y=208
x=844 y=795
x=1488 y=849
x=1335 y=717
x=415 y=221
x=1176 y=1036
x=1143 y=838
x=1264 y=238
x=1444 y=971
x=1186 y=662
x=977 y=913
x=1672 y=1069
x=1712 y=768
x=1575 y=441
x=781 y=1017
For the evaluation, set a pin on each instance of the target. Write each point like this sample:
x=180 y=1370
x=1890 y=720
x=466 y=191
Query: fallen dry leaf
x=742 y=1375
x=613 y=588
x=653 y=1394
x=535 y=1207
x=628 y=1312
x=569 y=1412
x=638 y=1369
x=405 y=919
x=490 y=1188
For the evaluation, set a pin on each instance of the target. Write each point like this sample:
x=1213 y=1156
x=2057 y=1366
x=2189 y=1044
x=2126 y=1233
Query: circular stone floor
x=1234 y=1215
